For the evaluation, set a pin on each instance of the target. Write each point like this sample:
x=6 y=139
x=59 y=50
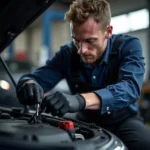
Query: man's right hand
x=30 y=93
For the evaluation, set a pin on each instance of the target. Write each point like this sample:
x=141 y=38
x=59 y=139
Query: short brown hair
x=80 y=10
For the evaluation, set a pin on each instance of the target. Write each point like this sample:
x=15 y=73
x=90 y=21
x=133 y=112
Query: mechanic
x=104 y=72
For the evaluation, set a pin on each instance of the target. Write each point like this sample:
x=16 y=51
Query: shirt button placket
x=94 y=81
x=108 y=112
x=94 y=77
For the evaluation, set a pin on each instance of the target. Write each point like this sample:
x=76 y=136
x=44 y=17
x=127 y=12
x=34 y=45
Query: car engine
x=19 y=132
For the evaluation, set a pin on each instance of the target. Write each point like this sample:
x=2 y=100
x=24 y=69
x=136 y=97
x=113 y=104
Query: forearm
x=92 y=101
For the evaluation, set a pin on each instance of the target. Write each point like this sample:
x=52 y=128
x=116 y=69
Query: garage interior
x=43 y=38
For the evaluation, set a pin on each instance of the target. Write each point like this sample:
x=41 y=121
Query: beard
x=89 y=59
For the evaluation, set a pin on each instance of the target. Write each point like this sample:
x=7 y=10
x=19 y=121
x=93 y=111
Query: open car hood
x=16 y=15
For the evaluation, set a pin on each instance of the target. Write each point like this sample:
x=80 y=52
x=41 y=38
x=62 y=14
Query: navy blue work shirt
x=114 y=97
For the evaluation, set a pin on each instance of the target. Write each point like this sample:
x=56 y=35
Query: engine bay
x=51 y=132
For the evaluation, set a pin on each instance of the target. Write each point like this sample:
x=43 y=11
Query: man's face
x=90 y=40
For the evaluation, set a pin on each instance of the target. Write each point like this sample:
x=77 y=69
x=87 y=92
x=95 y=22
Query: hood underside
x=16 y=15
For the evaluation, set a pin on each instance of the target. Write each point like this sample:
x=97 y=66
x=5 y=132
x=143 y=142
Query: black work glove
x=60 y=103
x=30 y=93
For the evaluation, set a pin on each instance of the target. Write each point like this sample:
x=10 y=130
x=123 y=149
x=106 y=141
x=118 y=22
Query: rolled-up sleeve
x=131 y=72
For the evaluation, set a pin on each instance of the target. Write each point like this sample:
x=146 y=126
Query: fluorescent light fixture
x=120 y=24
x=138 y=19
x=130 y=22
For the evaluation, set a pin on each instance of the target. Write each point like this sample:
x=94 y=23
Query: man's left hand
x=60 y=103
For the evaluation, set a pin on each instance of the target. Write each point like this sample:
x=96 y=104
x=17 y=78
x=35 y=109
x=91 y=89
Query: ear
x=109 y=30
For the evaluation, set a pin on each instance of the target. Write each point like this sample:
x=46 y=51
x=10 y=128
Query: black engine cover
x=22 y=131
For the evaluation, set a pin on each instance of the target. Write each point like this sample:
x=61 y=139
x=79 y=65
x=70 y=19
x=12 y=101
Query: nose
x=82 y=48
